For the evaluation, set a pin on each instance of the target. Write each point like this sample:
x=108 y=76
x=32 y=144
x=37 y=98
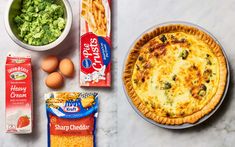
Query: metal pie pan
x=185 y=125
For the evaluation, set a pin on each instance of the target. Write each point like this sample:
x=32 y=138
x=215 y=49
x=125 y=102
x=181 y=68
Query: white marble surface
x=124 y=127
x=134 y=17
x=107 y=121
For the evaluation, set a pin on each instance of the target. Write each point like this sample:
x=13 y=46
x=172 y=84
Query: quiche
x=175 y=74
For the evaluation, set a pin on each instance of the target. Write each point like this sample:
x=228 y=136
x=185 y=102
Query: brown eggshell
x=54 y=80
x=66 y=67
x=49 y=63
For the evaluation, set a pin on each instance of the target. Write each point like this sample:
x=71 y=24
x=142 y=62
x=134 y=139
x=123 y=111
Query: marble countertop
x=107 y=120
x=118 y=124
x=134 y=17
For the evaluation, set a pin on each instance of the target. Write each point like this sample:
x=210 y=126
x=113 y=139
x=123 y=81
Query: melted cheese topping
x=176 y=74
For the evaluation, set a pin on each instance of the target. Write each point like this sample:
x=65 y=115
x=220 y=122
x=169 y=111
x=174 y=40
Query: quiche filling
x=175 y=74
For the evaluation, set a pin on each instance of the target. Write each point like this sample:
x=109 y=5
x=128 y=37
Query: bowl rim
x=43 y=47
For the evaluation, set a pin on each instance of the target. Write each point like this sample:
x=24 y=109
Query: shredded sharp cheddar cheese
x=72 y=141
x=71 y=118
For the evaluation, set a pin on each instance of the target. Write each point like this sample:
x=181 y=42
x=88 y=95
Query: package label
x=18 y=75
x=71 y=118
x=95 y=43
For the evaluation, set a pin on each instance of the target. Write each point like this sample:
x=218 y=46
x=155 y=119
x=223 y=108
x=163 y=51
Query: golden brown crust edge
x=134 y=53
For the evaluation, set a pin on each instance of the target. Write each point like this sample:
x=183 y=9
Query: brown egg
x=49 y=63
x=54 y=80
x=66 y=67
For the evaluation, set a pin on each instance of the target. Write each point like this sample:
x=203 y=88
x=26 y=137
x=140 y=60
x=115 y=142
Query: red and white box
x=19 y=94
x=95 y=43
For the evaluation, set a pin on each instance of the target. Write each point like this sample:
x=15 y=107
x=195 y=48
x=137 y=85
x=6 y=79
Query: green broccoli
x=40 y=21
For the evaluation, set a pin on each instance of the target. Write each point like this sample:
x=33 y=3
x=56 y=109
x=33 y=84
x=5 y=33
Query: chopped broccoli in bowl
x=40 y=22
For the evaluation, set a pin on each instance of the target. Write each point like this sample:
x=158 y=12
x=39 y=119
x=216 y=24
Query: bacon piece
x=159 y=49
x=175 y=41
x=183 y=42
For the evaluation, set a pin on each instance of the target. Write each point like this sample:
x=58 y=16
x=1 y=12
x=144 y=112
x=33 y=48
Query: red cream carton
x=95 y=43
x=19 y=96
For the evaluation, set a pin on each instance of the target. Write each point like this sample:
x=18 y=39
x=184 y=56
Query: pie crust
x=94 y=13
x=132 y=59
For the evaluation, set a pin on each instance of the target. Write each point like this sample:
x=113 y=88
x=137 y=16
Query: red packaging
x=19 y=97
x=95 y=43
